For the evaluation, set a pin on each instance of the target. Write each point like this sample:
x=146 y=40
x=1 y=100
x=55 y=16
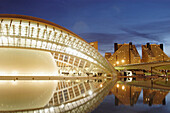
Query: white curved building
x=47 y=68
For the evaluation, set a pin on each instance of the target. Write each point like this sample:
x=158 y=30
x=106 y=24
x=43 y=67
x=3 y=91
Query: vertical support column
x=79 y=89
x=68 y=93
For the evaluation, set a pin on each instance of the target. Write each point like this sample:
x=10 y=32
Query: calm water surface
x=125 y=98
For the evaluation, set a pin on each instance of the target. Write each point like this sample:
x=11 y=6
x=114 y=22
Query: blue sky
x=105 y=21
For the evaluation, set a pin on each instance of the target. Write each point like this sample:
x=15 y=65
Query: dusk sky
x=105 y=21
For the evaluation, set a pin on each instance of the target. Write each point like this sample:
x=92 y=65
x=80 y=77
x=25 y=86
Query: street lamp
x=123 y=87
x=123 y=61
x=117 y=62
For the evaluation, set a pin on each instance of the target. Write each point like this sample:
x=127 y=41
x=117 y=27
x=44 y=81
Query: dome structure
x=33 y=53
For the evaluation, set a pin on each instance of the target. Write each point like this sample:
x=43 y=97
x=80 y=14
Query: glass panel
x=81 y=88
x=55 y=99
x=71 y=93
x=65 y=95
x=61 y=97
x=76 y=91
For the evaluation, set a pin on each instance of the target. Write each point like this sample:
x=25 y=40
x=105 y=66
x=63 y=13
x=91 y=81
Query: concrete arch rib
x=73 y=56
x=30 y=32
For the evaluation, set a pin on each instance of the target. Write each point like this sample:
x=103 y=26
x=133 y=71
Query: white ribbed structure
x=74 y=58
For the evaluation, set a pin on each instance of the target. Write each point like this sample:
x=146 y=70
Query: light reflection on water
x=125 y=98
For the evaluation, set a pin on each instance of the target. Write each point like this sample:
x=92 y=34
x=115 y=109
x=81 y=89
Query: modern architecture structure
x=123 y=54
x=46 y=68
x=94 y=44
x=126 y=95
x=153 y=52
x=154 y=97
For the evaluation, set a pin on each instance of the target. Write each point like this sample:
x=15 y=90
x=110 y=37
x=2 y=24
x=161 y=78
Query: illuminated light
x=52 y=109
x=68 y=80
x=46 y=41
x=62 y=106
x=3 y=81
x=14 y=82
x=123 y=87
x=26 y=62
x=14 y=73
x=41 y=111
x=117 y=85
x=101 y=85
x=46 y=110
x=123 y=61
x=114 y=64
x=84 y=95
x=68 y=104
x=77 y=80
x=90 y=92
x=2 y=73
x=117 y=62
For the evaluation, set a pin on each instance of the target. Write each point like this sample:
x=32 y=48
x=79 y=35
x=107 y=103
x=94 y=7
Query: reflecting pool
x=141 y=96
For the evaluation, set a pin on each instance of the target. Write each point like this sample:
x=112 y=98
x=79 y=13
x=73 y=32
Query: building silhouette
x=126 y=95
x=154 y=97
x=123 y=54
x=153 y=52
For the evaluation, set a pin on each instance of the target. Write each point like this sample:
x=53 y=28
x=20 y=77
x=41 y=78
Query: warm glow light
x=117 y=85
x=123 y=61
x=46 y=110
x=14 y=82
x=77 y=80
x=123 y=87
x=62 y=105
x=52 y=109
x=84 y=95
x=117 y=62
x=101 y=85
x=14 y=73
x=26 y=94
x=90 y=92
x=68 y=80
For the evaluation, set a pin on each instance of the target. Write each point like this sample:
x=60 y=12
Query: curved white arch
x=73 y=55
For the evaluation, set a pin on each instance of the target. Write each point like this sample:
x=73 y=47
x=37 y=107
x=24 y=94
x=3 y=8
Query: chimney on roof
x=115 y=47
x=148 y=46
x=161 y=46
x=130 y=45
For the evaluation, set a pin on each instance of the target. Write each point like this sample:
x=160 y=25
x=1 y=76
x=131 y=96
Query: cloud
x=148 y=36
x=156 y=27
x=80 y=27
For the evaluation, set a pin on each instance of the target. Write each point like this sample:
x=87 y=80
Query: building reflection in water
x=154 y=97
x=128 y=95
